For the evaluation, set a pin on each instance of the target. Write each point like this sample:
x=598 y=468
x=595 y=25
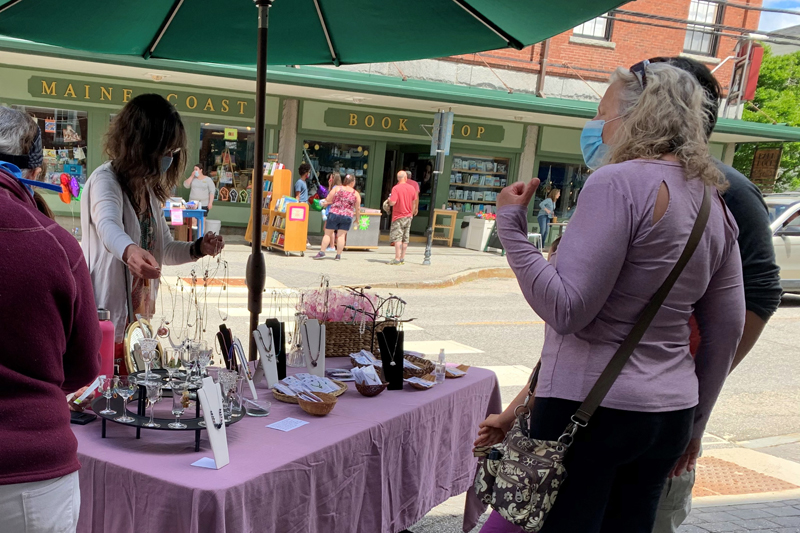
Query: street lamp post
x=440 y=147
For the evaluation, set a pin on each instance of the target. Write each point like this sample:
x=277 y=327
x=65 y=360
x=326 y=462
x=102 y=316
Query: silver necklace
x=319 y=346
x=396 y=341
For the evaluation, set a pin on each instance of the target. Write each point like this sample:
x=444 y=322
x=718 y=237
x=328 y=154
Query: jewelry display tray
x=140 y=418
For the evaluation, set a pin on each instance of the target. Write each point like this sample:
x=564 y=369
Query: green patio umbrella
x=304 y=32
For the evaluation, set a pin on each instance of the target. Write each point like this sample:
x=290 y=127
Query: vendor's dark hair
x=304 y=169
x=146 y=129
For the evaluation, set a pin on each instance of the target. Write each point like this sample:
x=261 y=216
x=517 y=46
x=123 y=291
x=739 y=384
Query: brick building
x=635 y=31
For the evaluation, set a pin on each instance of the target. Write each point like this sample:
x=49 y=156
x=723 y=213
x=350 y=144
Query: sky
x=774 y=21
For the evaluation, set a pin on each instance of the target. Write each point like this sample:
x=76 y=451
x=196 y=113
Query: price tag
x=176 y=217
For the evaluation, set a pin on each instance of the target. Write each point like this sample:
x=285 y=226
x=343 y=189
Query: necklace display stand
x=279 y=336
x=210 y=398
x=314 y=347
x=266 y=350
x=390 y=341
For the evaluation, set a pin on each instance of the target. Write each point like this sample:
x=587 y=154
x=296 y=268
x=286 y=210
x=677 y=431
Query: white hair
x=17 y=132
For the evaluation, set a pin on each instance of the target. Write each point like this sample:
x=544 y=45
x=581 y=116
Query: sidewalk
x=738 y=489
x=363 y=267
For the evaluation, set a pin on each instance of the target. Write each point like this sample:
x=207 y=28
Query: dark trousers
x=616 y=468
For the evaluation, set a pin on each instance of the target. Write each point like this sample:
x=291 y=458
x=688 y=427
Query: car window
x=776 y=209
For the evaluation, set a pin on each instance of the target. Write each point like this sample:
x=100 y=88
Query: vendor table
x=372 y=465
x=199 y=214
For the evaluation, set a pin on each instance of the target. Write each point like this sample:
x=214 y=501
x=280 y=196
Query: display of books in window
x=477 y=195
x=452 y=193
x=458 y=177
x=459 y=194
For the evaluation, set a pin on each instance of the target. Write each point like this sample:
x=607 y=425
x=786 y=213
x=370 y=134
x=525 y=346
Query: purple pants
x=498 y=524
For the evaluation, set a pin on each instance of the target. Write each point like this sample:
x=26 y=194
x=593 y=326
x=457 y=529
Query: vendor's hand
x=518 y=194
x=210 y=205
x=212 y=244
x=688 y=460
x=493 y=430
x=76 y=407
x=141 y=262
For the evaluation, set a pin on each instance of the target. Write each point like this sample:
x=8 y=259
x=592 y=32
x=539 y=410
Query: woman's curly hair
x=147 y=129
x=667 y=116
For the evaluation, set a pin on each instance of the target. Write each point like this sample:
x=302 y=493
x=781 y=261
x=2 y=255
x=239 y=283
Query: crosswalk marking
x=431 y=348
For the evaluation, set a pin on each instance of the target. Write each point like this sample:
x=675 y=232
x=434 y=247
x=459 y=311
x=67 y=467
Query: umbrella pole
x=256 y=266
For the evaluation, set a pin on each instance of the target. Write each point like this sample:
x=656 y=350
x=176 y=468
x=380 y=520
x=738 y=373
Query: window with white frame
x=703 y=39
x=597 y=28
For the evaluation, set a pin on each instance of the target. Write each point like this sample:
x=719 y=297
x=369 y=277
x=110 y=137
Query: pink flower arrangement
x=337 y=307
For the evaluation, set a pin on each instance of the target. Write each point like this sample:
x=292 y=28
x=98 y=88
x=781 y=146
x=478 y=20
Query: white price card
x=287 y=424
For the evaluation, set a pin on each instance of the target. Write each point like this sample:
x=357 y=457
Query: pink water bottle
x=107 y=344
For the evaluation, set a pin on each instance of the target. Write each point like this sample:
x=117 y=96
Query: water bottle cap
x=103 y=314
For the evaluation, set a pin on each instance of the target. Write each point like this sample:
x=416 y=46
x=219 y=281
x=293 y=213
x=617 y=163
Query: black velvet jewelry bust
x=278 y=329
x=390 y=342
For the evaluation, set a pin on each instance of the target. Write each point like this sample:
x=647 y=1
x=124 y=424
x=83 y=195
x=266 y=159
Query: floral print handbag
x=521 y=478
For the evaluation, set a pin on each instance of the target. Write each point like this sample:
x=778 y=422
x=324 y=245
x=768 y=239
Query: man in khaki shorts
x=405 y=202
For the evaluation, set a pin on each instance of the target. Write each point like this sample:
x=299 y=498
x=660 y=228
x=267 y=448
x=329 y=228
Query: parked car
x=784 y=213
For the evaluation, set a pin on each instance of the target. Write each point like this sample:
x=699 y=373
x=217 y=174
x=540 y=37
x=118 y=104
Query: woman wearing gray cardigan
x=121 y=218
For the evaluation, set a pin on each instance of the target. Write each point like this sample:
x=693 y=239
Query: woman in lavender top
x=632 y=222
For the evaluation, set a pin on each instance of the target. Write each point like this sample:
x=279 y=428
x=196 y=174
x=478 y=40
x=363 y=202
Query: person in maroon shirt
x=49 y=346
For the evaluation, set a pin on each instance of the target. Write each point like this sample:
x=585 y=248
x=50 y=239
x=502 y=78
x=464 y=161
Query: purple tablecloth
x=372 y=465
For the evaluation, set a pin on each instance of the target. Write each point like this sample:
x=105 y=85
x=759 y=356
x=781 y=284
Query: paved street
x=755 y=429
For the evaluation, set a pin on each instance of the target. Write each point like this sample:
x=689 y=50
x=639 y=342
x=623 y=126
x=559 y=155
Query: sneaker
x=395 y=262
x=320 y=255
x=331 y=250
x=338 y=256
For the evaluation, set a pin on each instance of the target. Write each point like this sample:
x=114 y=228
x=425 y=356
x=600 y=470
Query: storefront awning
x=383 y=91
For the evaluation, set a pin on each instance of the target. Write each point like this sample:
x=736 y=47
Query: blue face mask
x=593 y=148
x=166 y=162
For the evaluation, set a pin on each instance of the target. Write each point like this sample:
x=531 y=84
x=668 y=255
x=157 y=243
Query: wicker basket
x=463 y=368
x=427 y=377
x=342 y=339
x=318 y=408
x=293 y=399
x=426 y=366
x=371 y=390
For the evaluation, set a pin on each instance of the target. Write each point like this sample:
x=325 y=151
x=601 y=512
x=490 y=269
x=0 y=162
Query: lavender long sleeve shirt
x=609 y=264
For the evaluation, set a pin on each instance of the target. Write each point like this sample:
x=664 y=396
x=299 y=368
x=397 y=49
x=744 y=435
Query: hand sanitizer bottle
x=439 y=371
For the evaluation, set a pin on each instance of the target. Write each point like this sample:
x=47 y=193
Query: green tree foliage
x=777 y=95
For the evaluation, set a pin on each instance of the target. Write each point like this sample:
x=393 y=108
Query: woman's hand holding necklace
x=141 y=263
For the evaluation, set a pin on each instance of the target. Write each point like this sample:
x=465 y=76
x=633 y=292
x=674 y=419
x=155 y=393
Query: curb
x=449 y=281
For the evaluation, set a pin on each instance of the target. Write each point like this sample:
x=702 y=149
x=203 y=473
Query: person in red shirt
x=405 y=202
x=412 y=182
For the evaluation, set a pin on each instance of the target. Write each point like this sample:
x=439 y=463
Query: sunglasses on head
x=638 y=69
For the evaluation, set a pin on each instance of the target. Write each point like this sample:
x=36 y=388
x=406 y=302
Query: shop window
x=597 y=28
x=703 y=39
x=475 y=182
x=227 y=156
x=330 y=158
x=566 y=177
x=63 y=141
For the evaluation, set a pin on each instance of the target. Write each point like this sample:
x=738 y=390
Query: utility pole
x=440 y=147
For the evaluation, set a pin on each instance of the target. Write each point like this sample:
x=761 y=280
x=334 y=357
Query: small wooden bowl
x=318 y=408
x=463 y=368
x=427 y=377
x=371 y=390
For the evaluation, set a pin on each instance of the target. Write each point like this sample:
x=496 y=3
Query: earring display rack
x=380 y=312
x=140 y=417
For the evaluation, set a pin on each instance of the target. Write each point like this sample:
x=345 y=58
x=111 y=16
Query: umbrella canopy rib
x=163 y=29
x=512 y=42
x=9 y=4
x=324 y=25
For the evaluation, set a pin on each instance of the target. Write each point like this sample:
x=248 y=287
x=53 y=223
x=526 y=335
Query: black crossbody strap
x=614 y=367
